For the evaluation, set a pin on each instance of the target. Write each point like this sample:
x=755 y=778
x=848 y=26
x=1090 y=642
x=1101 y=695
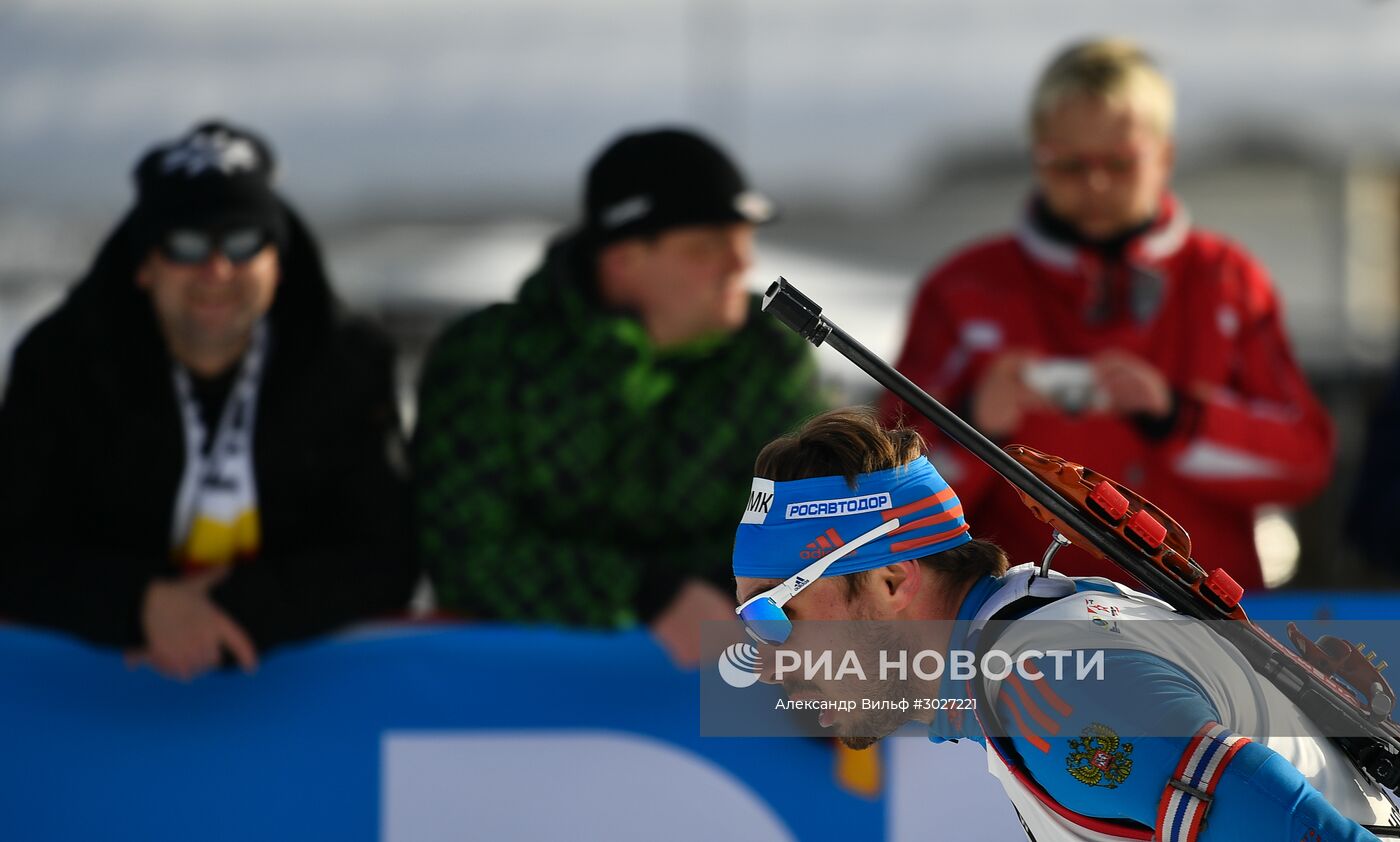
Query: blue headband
x=788 y=525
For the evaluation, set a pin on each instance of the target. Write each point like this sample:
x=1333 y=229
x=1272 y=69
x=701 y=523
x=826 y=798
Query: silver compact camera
x=1067 y=382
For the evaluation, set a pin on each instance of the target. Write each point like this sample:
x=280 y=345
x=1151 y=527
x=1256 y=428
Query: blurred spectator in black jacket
x=199 y=456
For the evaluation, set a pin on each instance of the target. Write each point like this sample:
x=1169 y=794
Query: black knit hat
x=217 y=175
x=645 y=182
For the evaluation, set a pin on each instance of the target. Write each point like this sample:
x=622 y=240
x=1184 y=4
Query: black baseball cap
x=648 y=181
x=217 y=175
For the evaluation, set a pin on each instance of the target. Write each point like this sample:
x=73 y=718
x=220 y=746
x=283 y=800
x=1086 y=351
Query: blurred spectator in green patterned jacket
x=582 y=453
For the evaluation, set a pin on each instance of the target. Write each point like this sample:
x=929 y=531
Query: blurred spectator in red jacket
x=1109 y=330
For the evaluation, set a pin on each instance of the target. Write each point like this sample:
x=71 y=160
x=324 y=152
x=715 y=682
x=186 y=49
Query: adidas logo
x=800 y=584
x=822 y=544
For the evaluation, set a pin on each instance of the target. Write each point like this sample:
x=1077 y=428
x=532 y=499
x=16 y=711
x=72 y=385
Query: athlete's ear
x=896 y=585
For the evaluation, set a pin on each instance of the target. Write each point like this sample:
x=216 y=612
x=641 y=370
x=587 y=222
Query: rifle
x=1112 y=522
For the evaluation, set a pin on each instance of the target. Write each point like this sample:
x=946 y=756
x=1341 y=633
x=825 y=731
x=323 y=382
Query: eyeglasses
x=1117 y=164
x=763 y=615
x=191 y=245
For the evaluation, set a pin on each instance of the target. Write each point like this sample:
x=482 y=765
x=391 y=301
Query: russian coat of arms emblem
x=1099 y=758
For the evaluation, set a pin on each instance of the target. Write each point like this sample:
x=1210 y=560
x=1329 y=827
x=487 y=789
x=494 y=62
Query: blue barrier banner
x=400 y=733
x=463 y=732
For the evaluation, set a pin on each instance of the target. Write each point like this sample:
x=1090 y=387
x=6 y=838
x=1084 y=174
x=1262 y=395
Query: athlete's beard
x=868 y=639
x=872 y=726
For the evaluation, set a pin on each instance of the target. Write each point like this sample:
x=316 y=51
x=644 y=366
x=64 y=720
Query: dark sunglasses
x=192 y=245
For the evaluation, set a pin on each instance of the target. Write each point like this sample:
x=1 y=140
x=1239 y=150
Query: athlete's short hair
x=849 y=442
x=1113 y=69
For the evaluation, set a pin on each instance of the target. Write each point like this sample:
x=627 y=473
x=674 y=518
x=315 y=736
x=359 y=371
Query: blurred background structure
x=436 y=144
